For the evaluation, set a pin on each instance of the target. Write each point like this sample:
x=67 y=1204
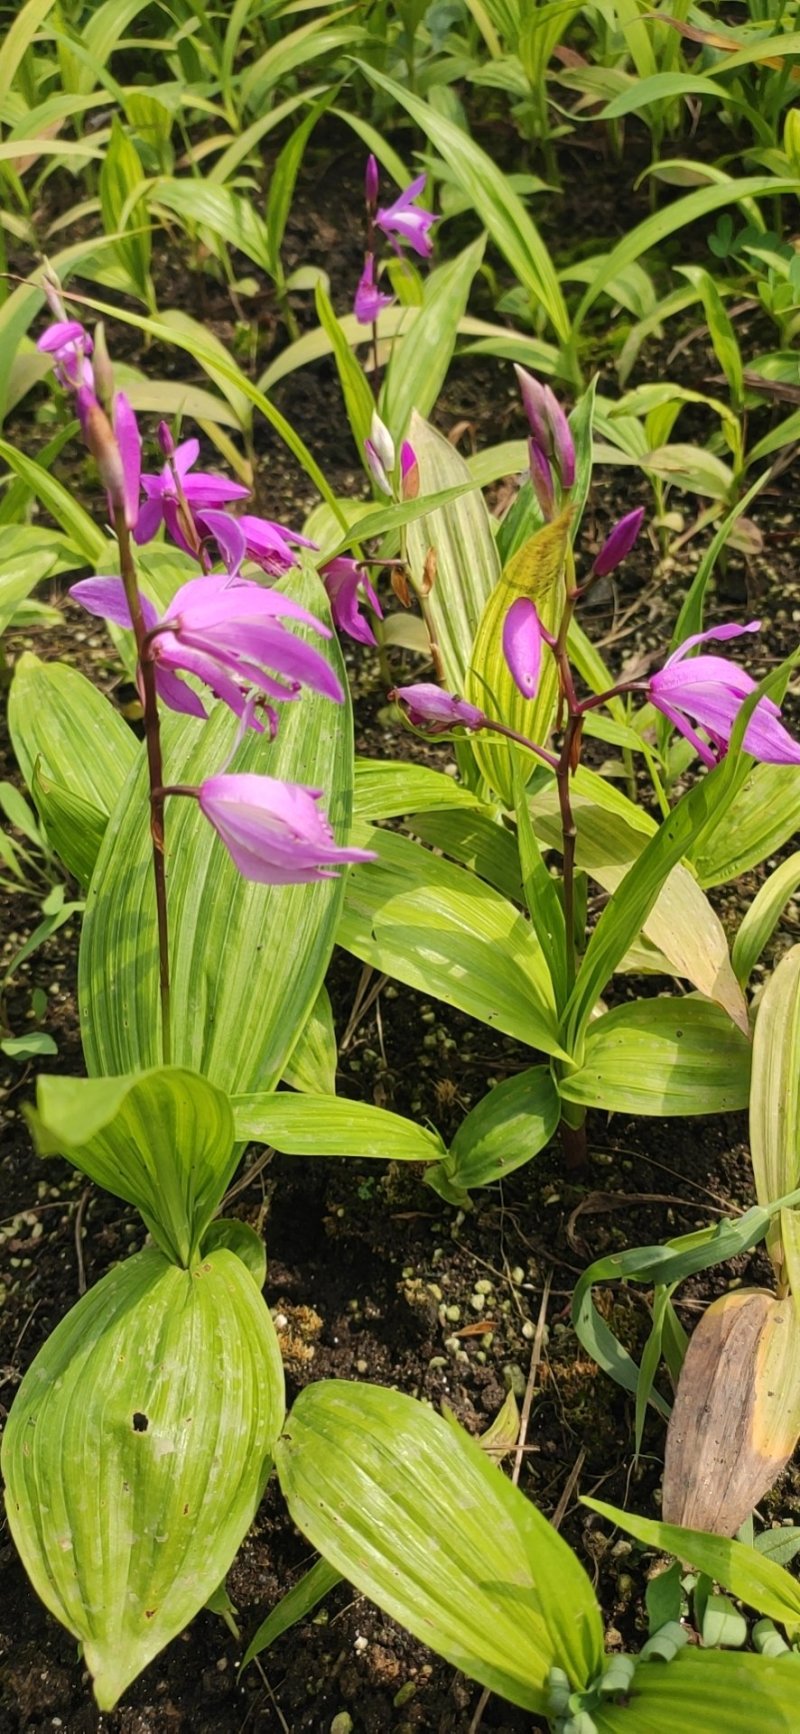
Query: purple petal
x=176 y=695
x=150 y=517
x=522 y=645
x=274 y=831
x=203 y=490
x=618 y=544
x=64 y=332
x=106 y=597
x=228 y=535
x=183 y=457
x=731 y=630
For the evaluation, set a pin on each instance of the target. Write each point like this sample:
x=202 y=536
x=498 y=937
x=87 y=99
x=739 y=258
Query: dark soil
x=366 y=1263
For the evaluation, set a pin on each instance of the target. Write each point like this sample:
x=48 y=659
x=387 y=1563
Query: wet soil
x=367 y=1266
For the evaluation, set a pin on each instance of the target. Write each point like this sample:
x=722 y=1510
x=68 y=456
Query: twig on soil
x=246 y=1179
x=525 y=1415
x=272 y=1698
x=365 y=998
x=607 y=1201
x=79 y=1216
x=568 y=1489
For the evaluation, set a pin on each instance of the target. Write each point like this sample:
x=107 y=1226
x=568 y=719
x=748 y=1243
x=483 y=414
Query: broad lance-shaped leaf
x=736 y=1418
x=438 y=928
x=162 y=1140
x=417 y=368
x=706 y=1691
x=536 y=571
x=775 y=1092
x=466 y=561
x=247 y=960
x=311 y=1125
x=136 y=1452
x=662 y=1056
x=507 y=1128
x=74 y=751
x=312 y=1066
x=409 y=1508
x=763 y=815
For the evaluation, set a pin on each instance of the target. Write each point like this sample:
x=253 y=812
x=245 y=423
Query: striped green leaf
x=775 y=1094
x=163 y=1141
x=467 y=563
x=662 y=1056
x=507 y=1128
x=331 y=1126
x=247 y=960
x=136 y=1452
x=410 y=1509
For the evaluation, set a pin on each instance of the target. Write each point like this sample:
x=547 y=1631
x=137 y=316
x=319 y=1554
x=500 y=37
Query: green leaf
x=225 y=214
x=240 y=1238
x=313 y=1062
x=136 y=1452
x=474 y=839
x=125 y=212
x=761 y=917
x=295 y=1605
x=720 y=330
x=706 y=1691
x=467 y=564
x=387 y=788
x=163 y=1141
x=386 y=1490
x=775 y=1093
x=61 y=504
x=18 y=578
x=331 y=1126
x=626 y=913
x=358 y=398
x=284 y=176
x=31 y=1046
x=416 y=371
x=18 y=39
x=690 y=617
x=75 y=828
x=763 y=815
x=438 y=928
x=660 y=87
x=749 y=1575
x=662 y=1056
x=247 y=960
x=506 y=1129
x=500 y=209
x=62 y=728
x=694 y=207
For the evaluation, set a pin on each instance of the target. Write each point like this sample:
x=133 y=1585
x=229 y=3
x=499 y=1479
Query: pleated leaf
x=439 y=928
x=331 y=1126
x=247 y=960
x=59 y=722
x=775 y=1091
x=467 y=562
x=736 y=1417
x=706 y=1691
x=762 y=816
x=136 y=1452
x=312 y=1066
x=410 y=1509
x=535 y=571
x=163 y=1141
x=662 y=1056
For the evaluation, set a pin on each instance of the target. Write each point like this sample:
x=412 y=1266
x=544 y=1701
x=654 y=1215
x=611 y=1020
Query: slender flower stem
x=152 y=730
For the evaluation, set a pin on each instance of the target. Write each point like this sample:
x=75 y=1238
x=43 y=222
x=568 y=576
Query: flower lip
x=429 y=707
x=707 y=692
x=405 y=221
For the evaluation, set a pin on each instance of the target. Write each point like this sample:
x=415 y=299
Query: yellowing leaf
x=775 y=1092
x=536 y=571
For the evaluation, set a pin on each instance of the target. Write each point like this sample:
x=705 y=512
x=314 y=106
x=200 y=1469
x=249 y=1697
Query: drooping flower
x=199 y=490
x=707 y=692
x=70 y=344
x=427 y=707
x=618 y=543
x=369 y=299
x=348 y=587
x=274 y=832
x=405 y=221
x=523 y=637
x=228 y=632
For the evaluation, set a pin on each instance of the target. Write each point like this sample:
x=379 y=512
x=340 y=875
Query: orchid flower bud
x=102 y=369
x=534 y=404
x=549 y=425
x=165 y=439
x=371 y=182
x=618 y=544
x=523 y=636
x=381 y=441
x=542 y=479
x=101 y=440
x=563 y=448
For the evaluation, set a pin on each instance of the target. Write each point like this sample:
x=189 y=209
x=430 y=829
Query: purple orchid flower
x=348 y=588
x=618 y=543
x=405 y=221
x=427 y=707
x=707 y=692
x=274 y=832
x=70 y=345
x=272 y=546
x=227 y=632
x=369 y=301
x=523 y=637
x=200 y=490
